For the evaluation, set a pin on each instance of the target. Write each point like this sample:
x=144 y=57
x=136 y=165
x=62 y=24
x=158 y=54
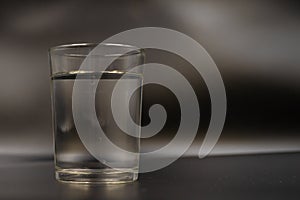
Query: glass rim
x=133 y=50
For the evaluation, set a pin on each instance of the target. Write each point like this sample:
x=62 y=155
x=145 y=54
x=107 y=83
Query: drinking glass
x=75 y=159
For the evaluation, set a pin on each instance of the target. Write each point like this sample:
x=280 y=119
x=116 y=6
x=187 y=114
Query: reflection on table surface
x=273 y=176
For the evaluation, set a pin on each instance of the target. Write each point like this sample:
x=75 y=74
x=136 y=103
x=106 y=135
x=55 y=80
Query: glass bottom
x=95 y=176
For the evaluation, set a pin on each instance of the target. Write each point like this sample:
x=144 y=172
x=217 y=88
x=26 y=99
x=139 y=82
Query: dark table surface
x=273 y=176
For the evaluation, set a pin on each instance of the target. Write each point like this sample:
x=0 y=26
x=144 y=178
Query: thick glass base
x=95 y=176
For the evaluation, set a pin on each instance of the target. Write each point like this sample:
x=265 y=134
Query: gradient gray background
x=255 y=44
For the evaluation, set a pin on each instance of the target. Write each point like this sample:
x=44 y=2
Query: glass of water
x=90 y=145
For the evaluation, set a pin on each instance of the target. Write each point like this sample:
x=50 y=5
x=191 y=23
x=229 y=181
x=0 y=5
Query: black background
x=255 y=45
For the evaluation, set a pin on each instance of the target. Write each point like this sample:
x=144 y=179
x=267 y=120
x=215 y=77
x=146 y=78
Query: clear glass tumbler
x=75 y=161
